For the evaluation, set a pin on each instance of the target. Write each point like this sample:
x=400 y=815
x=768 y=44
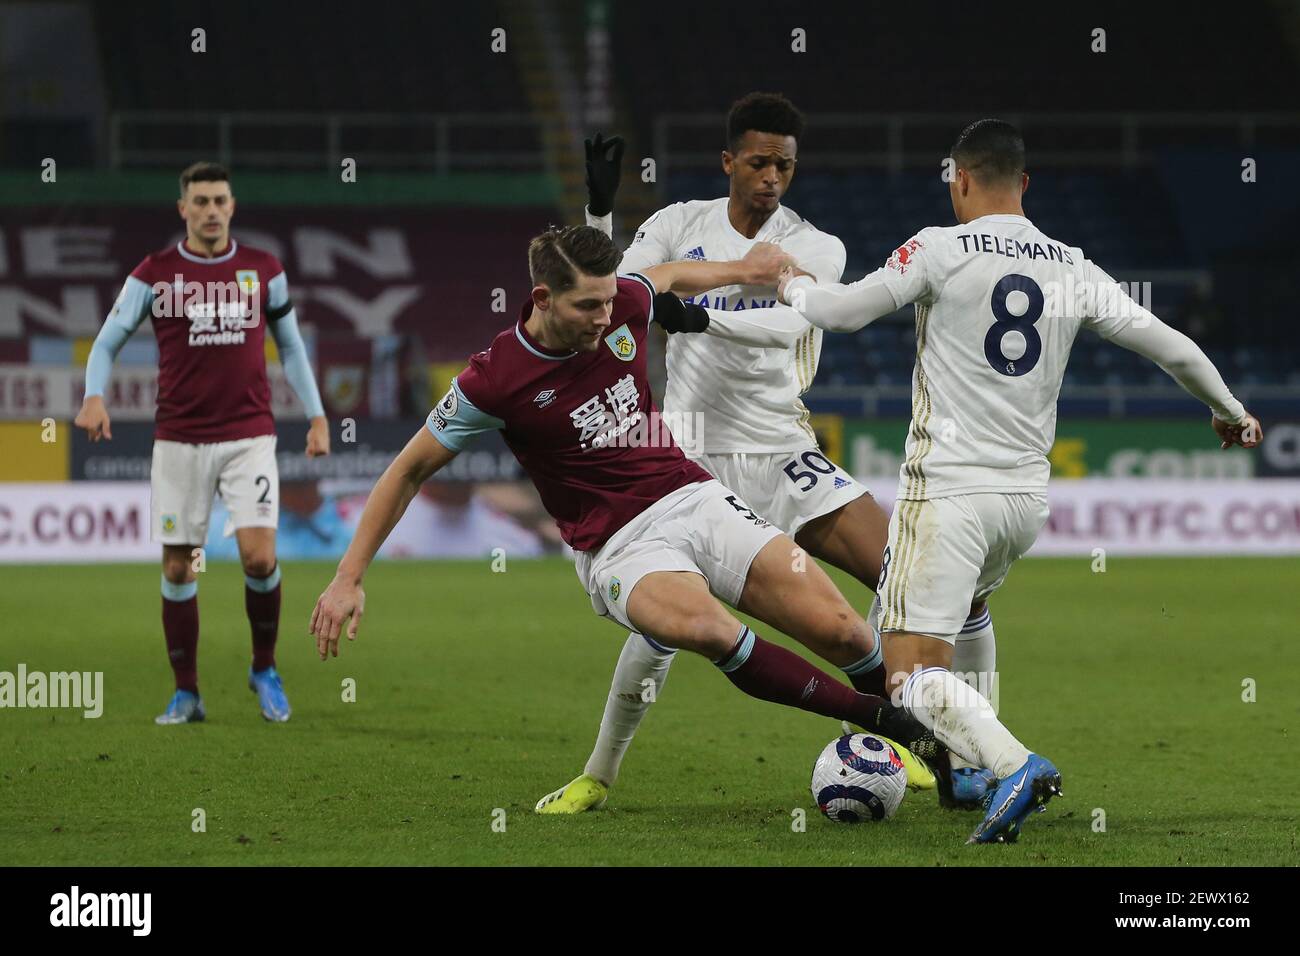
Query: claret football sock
x=638 y=681
x=262 y=602
x=772 y=673
x=868 y=675
x=180 y=618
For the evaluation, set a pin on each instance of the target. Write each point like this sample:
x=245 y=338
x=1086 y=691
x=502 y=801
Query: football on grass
x=858 y=777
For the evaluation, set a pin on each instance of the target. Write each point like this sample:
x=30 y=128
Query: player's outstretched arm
x=422 y=457
x=830 y=306
x=761 y=266
x=1187 y=365
x=836 y=307
x=777 y=328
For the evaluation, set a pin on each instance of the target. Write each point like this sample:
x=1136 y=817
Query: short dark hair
x=557 y=256
x=203 y=172
x=990 y=150
x=763 y=113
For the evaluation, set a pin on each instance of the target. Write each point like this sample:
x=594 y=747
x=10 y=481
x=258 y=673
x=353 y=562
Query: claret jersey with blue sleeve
x=582 y=424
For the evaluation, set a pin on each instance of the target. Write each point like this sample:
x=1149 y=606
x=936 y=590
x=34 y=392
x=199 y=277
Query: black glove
x=678 y=316
x=604 y=163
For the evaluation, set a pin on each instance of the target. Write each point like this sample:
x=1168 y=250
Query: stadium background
x=462 y=152
x=1165 y=687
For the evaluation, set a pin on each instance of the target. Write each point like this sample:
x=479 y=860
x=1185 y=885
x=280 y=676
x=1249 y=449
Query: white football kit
x=753 y=432
x=998 y=305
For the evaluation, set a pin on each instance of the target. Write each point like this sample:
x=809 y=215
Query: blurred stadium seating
x=443 y=127
x=466 y=123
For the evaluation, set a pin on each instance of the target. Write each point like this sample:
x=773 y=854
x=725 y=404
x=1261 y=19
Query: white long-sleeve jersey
x=998 y=305
x=749 y=396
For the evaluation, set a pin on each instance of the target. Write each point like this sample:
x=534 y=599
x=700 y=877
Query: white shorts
x=788 y=488
x=946 y=553
x=185 y=476
x=696 y=528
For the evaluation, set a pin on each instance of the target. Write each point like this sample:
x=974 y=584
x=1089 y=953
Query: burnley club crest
x=621 y=343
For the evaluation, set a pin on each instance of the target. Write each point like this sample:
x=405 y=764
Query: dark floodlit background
x=463 y=152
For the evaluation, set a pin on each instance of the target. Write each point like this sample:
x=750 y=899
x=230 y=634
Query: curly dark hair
x=763 y=113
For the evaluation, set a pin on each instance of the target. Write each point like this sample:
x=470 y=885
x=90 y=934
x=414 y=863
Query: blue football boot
x=270 y=694
x=1028 y=789
x=185 y=707
x=964 y=789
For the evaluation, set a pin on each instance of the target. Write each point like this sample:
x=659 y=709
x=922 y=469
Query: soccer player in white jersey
x=753 y=431
x=998 y=305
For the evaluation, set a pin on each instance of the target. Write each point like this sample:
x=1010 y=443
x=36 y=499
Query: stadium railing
x=897 y=141
x=441 y=142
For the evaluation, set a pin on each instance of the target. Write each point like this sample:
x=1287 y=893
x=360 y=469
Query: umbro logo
x=544 y=398
x=697 y=254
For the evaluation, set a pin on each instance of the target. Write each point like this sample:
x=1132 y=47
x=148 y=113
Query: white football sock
x=629 y=699
x=962 y=720
x=974 y=660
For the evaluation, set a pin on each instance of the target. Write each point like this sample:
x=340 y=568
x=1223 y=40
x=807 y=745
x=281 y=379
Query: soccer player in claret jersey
x=658 y=540
x=211 y=301
x=755 y=435
x=998 y=306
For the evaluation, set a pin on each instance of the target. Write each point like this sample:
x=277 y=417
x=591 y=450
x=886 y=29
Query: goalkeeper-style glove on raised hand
x=604 y=163
x=678 y=316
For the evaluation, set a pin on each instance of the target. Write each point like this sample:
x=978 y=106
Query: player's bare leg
x=795 y=596
x=852 y=538
x=180 y=619
x=679 y=610
x=963 y=719
x=262 y=603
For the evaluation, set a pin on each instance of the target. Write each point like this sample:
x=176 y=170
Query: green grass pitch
x=479 y=691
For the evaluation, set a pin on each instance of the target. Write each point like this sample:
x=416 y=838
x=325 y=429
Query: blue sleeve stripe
x=297 y=368
x=132 y=305
x=277 y=292
x=99 y=365
x=455 y=421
